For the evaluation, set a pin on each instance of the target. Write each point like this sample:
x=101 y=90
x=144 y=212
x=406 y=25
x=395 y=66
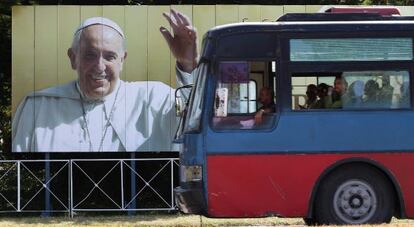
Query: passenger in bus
x=353 y=97
x=404 y=101
x=334 y=99
x=311 y=97
x=371 y=92
x=322 y=95
x=266 y=98
x=340 y=87
x=386 y=91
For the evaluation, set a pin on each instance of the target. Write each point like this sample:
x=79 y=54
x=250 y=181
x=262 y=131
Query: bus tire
x=309 y=221
x=354 y=194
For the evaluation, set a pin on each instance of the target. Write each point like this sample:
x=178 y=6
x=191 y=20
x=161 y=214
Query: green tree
x=5 y=74
x=388 y=2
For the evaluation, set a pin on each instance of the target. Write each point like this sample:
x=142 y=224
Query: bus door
x=242 y=115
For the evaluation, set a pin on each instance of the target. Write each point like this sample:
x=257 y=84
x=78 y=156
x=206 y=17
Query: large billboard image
x=98 y=78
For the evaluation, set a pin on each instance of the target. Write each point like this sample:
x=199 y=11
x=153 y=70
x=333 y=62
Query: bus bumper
x=190 y=198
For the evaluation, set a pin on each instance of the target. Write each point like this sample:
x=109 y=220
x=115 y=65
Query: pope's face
x=98 y=60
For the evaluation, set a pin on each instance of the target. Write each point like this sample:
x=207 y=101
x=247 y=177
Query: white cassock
x=143 y=119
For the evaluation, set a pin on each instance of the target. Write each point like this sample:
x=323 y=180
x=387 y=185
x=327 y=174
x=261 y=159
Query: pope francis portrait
x=98 y=111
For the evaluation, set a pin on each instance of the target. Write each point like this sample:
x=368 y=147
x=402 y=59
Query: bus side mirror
x=179 y=106
x=181 y=99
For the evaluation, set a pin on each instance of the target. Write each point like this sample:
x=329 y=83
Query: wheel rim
x=355 y=202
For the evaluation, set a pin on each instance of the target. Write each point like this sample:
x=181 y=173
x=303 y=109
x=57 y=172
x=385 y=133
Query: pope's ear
x=125 y=56
x=72 y=57
x=123 y=59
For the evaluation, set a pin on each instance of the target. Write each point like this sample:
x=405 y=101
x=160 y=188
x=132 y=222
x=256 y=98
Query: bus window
x=351 y=49
x=248 y=102
x=351 y=90
x=244 y=96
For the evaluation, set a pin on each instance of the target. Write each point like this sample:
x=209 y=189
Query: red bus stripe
x=281 y=184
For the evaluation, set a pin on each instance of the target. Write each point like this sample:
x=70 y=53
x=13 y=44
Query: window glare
x=351 y=49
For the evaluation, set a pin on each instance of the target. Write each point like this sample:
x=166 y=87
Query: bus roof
x=339 y=17
x=304 y=21
x=262 y=32
x=381 y=10
x=303 y=26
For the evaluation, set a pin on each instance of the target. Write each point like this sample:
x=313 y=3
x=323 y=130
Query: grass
x=162 y=220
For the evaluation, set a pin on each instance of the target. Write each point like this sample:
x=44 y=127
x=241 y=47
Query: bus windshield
x=192 y=117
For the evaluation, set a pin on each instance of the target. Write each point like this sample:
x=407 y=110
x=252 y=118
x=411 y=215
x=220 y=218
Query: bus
x=336 y=145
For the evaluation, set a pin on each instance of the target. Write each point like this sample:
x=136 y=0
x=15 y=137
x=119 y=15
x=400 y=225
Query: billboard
x=93 y=79
x=142 y=118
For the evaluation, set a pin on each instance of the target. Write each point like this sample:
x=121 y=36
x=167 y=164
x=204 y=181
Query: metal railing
x=82 y=185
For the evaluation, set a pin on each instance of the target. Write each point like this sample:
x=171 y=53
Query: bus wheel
x=309 y=221
x=354 y=194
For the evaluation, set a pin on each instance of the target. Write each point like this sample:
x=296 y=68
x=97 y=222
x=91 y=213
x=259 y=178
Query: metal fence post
x=71 y=188
x=18 y=186
x=172 y=184
x=46 y=212
x=122 y=184
x=133 y=179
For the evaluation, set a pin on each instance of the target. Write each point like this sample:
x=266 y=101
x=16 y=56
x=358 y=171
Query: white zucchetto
x=100 y=20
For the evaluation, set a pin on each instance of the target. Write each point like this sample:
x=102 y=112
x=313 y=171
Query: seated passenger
x=334 y=99
x=311 y=97
x=266 y=98
x=386 y=92
x=322 y=94
x=353 y=97
x=404 y=101
x=371 y=91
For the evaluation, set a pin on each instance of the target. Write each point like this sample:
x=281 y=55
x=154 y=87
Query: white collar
x=108 y=98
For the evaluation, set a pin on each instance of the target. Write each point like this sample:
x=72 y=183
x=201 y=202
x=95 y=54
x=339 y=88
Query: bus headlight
x=191 y=173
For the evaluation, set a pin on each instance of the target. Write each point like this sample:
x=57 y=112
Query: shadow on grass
x=90 y=217
x=141 y=218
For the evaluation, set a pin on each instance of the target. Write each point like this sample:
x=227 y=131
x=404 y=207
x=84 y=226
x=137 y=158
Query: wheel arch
x=400 y=212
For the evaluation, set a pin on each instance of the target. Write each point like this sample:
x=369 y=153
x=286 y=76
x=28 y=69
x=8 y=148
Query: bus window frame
x=292 y=67
x=214 y=81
